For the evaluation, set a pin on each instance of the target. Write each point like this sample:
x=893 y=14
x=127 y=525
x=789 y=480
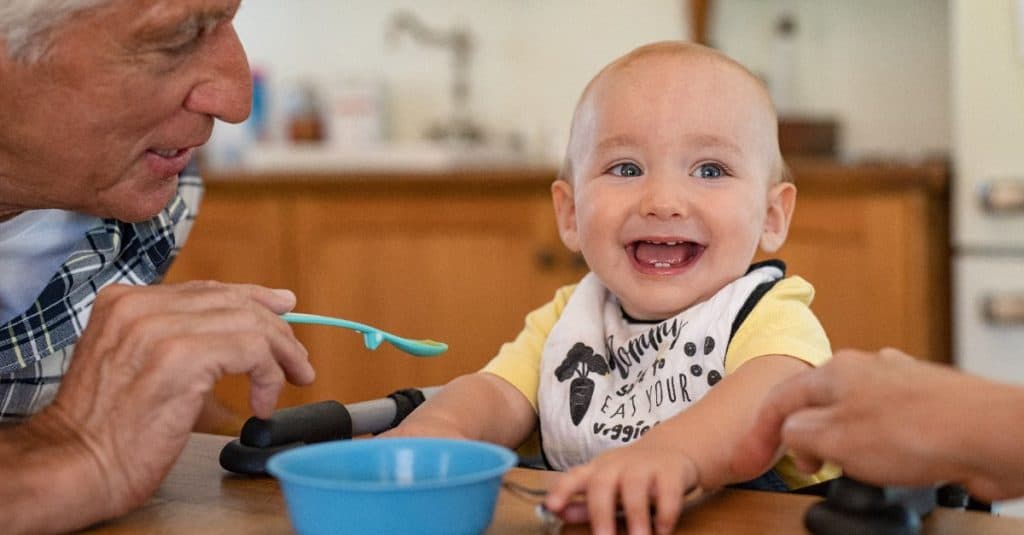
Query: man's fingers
x=763 y=442
x=177 y=370
x=806 y=463
x=194 y=296
x=255 y=323
x=813 y=436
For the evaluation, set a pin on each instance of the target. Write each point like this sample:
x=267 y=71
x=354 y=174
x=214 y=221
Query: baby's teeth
x=662 y=264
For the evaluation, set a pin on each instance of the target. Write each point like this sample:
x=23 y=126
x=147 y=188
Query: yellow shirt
x=781 y=324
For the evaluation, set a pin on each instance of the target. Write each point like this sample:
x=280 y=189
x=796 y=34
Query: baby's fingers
x=573 y=482
x=669 y=495
x=636 y=501
x=602 y=493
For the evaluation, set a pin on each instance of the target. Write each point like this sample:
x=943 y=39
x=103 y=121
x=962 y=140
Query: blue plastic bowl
x=392 y=485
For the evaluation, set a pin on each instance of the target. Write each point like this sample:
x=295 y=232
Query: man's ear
x=565 y=214
x=781 y=202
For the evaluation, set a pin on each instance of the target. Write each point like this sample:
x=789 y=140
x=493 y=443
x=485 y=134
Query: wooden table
x=199 y=497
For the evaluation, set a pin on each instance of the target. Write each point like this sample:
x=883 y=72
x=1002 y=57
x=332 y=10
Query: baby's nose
x=663 y=200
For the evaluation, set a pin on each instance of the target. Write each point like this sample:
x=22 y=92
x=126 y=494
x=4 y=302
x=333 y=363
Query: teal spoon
x=372 y=336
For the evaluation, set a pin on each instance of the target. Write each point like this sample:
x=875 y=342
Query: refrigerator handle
x=1002 y=196
x=1004 y=309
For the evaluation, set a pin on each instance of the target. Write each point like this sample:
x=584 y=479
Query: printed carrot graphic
x=579 y=362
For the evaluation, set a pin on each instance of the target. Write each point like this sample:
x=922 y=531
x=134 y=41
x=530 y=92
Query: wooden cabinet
x=874 y=241
x=457 y=258
x=463 y=257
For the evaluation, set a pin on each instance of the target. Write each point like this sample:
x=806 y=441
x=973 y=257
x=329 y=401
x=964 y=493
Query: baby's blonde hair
x=670 y=48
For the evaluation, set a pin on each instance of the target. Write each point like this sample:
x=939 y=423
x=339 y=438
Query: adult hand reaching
x=887 y=418
x=133 y=391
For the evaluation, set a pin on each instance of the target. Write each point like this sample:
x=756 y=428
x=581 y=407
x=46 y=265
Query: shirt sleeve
x=518 y=361
x=781 y=324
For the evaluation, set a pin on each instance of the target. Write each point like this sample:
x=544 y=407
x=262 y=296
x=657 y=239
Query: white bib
x=605 y=381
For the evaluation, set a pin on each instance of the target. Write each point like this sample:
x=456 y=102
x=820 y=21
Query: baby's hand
x=637 y=476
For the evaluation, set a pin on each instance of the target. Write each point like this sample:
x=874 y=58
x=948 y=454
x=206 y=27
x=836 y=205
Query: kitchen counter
x=809 y=173
x=200 y=497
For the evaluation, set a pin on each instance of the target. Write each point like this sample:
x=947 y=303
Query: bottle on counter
x=305 y=116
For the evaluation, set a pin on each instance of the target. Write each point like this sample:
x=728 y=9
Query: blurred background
x=384 y=71
x=397 y=165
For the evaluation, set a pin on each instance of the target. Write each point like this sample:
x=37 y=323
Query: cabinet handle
x=579 y=263
x=1002 y=196
x=1004 y=309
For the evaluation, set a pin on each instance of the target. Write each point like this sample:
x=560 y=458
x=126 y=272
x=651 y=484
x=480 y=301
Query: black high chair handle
x=316 y=422
x=852 y=507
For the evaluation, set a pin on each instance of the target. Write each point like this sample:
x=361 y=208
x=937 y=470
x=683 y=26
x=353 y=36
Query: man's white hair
x=26 y=26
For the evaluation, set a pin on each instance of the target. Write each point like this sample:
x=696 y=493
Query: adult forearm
x=50 y=483
x=991 y=441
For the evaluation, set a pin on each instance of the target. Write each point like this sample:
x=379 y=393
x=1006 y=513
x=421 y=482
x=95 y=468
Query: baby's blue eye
x=708 y=170
x=626 y=169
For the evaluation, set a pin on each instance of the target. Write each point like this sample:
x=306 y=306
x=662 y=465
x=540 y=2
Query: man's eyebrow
x=168 y=26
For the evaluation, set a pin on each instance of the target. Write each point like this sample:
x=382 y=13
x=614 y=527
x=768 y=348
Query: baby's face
x=673 y=163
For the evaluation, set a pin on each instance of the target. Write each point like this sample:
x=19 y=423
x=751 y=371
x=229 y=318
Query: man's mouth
x=664 y=254
x=168 y=153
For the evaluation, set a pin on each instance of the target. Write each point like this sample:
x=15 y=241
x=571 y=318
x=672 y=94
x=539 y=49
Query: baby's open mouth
x=664 y=254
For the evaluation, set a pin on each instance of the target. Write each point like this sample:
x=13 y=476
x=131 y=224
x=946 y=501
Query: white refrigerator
x=987 y=54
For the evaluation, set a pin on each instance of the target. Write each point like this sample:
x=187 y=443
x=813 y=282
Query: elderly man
x=103 y=103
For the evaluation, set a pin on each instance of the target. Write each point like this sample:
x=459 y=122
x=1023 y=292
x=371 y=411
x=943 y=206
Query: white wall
x=880 y=66
x=532 y=57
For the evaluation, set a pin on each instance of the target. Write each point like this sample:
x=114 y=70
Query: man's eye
x=626 y=169
x=708 y=170
x=182 y=47
x=191 y=33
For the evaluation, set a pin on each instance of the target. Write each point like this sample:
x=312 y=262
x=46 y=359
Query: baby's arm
x=692 y=449
x=477 y=406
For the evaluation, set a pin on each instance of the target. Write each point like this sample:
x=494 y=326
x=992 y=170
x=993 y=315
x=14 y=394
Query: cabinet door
x=878 y=265
x=235 y=239
x=460 y=268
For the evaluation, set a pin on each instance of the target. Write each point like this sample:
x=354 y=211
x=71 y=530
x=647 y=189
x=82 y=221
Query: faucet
x=458 y=127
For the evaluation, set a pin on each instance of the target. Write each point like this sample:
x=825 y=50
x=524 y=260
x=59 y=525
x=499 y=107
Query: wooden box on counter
x=463 y=256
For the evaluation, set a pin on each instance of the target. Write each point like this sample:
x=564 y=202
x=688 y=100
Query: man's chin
x=146 y=205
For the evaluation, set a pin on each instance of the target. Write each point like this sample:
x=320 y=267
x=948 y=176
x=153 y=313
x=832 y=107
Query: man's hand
x=138 y=378
x=887 y=418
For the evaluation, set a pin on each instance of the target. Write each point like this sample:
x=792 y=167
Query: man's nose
x=225 y=90
x=663 y=198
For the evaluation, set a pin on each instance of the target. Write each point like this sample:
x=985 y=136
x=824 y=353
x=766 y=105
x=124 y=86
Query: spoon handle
x=316 y=319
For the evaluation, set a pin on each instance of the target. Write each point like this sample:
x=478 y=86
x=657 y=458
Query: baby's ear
x=565 y=214
x=781 y=201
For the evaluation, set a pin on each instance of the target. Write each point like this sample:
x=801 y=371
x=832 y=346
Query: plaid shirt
x=36 y=347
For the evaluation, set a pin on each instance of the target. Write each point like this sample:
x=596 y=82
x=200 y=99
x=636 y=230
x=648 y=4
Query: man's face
x=671 y=190
x=104 y=122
